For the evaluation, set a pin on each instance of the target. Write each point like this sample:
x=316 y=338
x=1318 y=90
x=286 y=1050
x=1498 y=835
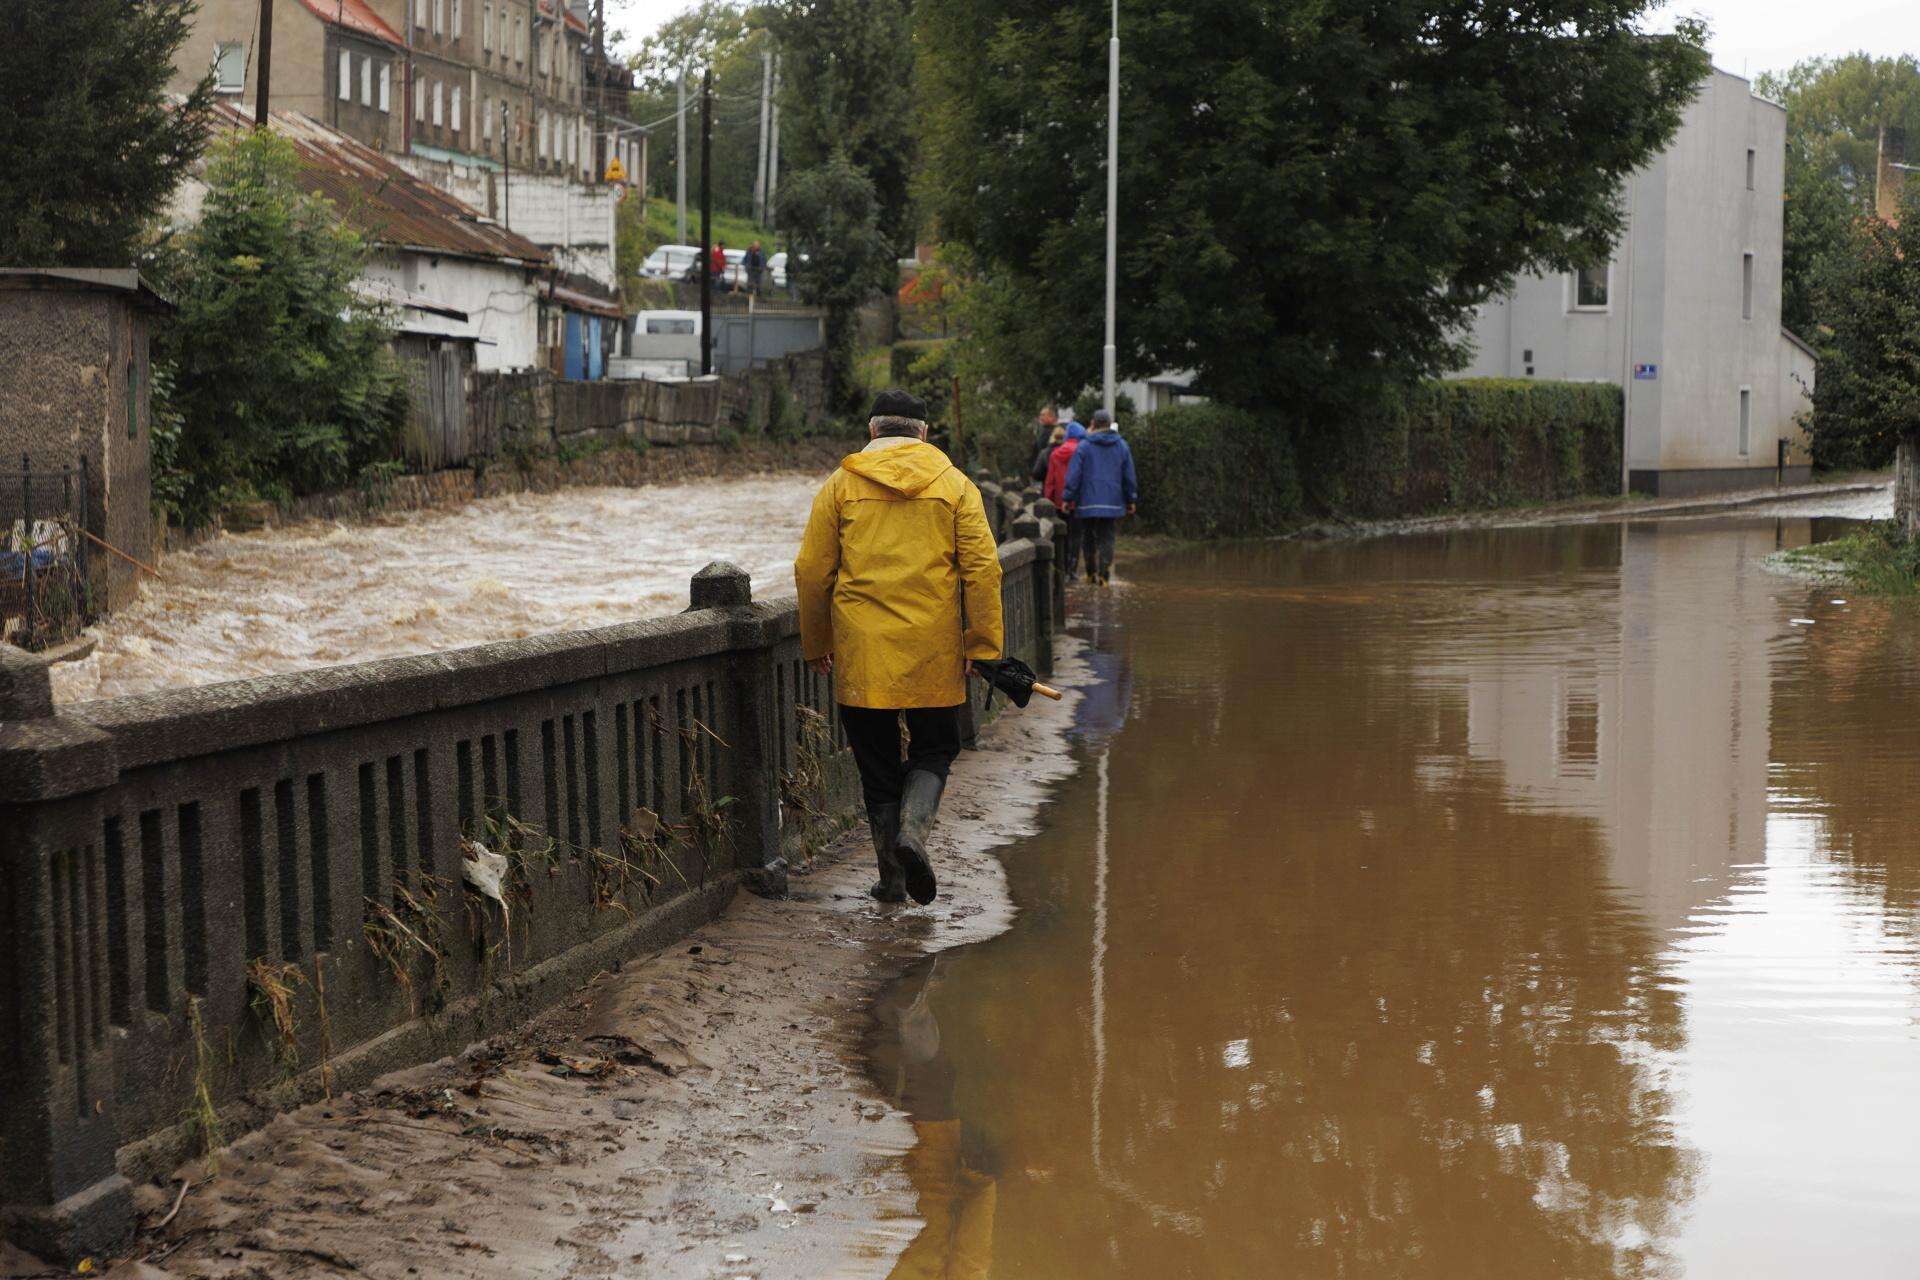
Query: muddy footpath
x=703 y=1112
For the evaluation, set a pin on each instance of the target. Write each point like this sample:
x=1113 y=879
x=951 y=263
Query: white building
x=1687 y=314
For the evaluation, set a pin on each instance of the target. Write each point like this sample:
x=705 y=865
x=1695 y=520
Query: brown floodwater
x=1536 y=904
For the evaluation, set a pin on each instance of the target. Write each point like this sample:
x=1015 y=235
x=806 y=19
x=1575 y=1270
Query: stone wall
x=170 y=861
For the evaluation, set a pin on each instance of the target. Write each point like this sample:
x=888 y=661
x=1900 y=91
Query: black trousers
x=1099 y=532
x=933 y=740
x=1071 y=565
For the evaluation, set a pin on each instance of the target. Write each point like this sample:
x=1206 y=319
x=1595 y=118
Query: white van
x=666 y=342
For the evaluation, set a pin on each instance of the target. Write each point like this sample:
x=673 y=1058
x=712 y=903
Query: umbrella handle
x=1046 y=691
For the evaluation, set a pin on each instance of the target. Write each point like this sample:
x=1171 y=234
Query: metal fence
x=45 y=592
x=176 y=866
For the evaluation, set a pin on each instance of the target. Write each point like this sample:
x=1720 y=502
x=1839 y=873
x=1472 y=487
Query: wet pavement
x=1526 y=903
x=319 y=594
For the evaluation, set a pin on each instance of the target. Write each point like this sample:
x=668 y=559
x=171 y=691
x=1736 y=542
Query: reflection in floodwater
x=1511 y=904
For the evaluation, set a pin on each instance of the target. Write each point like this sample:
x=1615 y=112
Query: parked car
x=669 y=261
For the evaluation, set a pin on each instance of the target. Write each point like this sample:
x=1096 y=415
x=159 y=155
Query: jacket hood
x=1107 y=438
x=1075 y=431
x=906 y=470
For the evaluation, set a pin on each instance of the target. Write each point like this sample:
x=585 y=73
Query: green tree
x=841 y=256
x=730 y=39
x=1867 y=396
x=1835 y=110
x=90 y=148
x=1313 y=196
x=277 y=375
x=847 y=85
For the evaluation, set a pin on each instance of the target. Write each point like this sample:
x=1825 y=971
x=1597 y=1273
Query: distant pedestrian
x=754 y=263
x=717 y=263
x=1043 y=426
x=1100 y=489
x=1044 y=455
x=1056 y=493
x=899 y=591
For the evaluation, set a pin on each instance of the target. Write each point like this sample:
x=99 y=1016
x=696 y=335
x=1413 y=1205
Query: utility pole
x=600 y=92
x=680 y=157
x=1113 y=202
x=706 y=221
x=760 y=166
x=506 y=168
x=772 y=154
x=261 y=105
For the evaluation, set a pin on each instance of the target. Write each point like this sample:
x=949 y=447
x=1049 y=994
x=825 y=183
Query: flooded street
x=318 y=594
x=1527 y=903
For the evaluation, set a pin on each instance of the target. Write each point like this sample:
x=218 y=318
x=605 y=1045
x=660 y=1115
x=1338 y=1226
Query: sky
x=1749 y=36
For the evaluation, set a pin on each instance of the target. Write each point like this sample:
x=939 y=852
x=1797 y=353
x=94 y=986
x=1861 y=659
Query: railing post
x=26 y=543
x=1030 y=527
x=60 y=1194
x=755 y=775
x=1055 y=535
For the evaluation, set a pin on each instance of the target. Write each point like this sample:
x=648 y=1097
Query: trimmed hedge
x=1471 y=443
x=1208 y=471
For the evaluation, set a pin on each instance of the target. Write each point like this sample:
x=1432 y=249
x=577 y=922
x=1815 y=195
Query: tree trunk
x=1906 y=483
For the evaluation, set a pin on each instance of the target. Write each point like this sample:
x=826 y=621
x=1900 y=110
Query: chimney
x=1890 y=173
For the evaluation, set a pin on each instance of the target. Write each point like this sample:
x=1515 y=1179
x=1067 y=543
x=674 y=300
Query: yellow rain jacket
x=897 y=539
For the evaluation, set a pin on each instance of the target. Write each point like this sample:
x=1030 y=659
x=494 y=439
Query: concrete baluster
x=59 y=1192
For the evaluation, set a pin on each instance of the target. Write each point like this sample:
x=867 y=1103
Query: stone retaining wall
x=223 y=901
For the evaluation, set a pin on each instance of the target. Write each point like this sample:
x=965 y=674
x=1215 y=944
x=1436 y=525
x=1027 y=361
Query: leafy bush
x=277 y=373
x=1470 y=443
x=1209 y=471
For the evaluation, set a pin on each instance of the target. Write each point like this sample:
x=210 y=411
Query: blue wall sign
x=1645 y=372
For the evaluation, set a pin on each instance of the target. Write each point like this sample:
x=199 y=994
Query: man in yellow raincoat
x=899 y=586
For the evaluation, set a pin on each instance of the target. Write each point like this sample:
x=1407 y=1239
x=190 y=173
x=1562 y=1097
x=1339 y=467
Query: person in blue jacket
x=1101 y=488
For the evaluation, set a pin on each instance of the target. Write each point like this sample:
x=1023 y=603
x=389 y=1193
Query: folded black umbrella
x=1013 y=678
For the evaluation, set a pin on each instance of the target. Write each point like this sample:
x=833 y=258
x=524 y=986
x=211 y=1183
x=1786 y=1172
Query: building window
x=455 y=108
x=456 y=19
x=346 y=76
x=486 y=26
x=439 y=103
x=366 y=82
x=1752 y=156
x=1746 y=421
x=520 y=40
x=486 y=119
x=386 y=86
x=1590 y=288
x=543 y=135
x=419 y=100
x=439 y=16
x=1746 y=286
x=230 y=66
x=504 y=46
x=573 y=145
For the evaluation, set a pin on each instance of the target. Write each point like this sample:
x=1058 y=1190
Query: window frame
x=456 y=24
x=346 y=75
x=453 y=109
x=439 y=104
x=1753 y=164
x=386 y=88
x=222 y=48
x=1746 y=285
x=366 y=82
x=1575 y=306
x=486 y=26
x=1745 y=401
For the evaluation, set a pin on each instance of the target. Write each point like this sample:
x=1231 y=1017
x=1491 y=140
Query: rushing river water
x=318 y=594
x=1536 y=904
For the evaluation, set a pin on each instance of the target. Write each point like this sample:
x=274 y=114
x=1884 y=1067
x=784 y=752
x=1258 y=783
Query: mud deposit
x=702 y=1113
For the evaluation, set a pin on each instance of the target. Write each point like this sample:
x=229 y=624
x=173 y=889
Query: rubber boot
x=892 y=884
x=919 y=802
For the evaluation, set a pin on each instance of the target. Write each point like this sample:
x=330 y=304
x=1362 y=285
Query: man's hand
x=1131 y=508
x=822 y=665
x=1067 y=507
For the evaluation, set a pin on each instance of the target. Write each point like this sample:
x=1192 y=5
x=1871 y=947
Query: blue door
x=576 y=367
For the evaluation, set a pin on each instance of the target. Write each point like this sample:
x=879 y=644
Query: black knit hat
x=895 y=403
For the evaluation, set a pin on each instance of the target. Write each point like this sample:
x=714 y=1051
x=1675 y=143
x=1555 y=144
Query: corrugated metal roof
x=385 y=203
x=354 y=15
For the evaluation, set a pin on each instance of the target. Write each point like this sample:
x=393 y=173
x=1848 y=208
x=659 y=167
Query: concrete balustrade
x=166 y=859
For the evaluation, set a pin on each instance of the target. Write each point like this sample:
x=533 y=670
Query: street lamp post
x=1113 y=201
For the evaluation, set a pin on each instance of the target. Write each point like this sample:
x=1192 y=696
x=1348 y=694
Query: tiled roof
x=382 y=201
x=573 y=19
x=354 y=15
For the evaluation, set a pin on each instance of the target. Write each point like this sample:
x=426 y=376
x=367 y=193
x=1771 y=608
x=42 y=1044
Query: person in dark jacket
x=1100 y=489
x=1041 y=459
x=1043 y=426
